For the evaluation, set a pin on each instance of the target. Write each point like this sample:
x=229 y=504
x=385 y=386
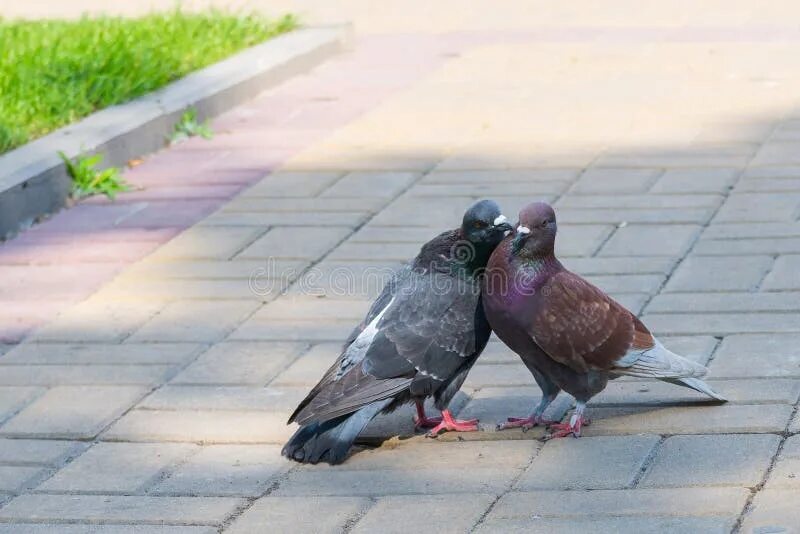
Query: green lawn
x=53 y=72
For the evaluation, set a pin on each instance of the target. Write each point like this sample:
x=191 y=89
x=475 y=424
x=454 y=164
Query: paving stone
x=697 y=419
x=309 y=368
x=296 y=243
x=117 y=467
x=605 y=462
x=281 y=399
x=634 y=202
x=582 y=239
x=83 y=354
x=372 y=233
x=401 y=513
x=785 y=275
x=218 y=243
x=240 y=363
x=723 y=302
x=129 y=509
x=695 y=181
x=785 y=473
x=743 y=247
x=626 y=216
x=257 y=270
x=739 y=391
x=349 y=219
x=73 y=375
x=496 y=175
x=629 y=283
x=674 y=158
x=370 y=184
x=777 y=153
x=200 y=427
x=13 y=399
x=719 y=273
x=772 y=171
x=721 y=323
x=214 y=290
x=752 y=230
x=236 y=470
x=292 y=184
x=725 y=460
x=488 y=189
x=347 y=281
x=204 y=321
x=794 y=426
x=601 y=180
x=768 y=185
x=620 y=525
x=620 y=266
x=15 y=478
x=396 y=252
x=759 y=207
x=35 y=452
x=98 y=319
x=420 y=454
x=303 y=206
x=304 y=307
x=722 y=502
x=752 y=355
x=72 y=412
x=774 y=510
x=644 y=240
x=386 y=482
x=257 y=329
x=84 y=528
x=279 y=514
x=633 y=302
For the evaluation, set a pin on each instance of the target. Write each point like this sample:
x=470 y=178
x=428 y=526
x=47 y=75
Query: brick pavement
x=154 y=346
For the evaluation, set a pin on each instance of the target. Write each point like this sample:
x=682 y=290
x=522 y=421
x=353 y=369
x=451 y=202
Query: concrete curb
x=33 y=180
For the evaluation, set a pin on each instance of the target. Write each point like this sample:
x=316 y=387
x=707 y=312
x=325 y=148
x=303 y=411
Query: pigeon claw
x=427 y=422
x=573 y=427
x=449 y=424
x=526 y=423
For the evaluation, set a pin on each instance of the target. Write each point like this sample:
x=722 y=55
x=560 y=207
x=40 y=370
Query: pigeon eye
x=479 y=224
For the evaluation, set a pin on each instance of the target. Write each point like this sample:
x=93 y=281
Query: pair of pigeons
x=427 y=328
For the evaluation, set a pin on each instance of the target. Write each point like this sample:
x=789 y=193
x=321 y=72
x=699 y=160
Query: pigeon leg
x=423 y=421
x=453 y=425
x=576 y=422
x=531 y=421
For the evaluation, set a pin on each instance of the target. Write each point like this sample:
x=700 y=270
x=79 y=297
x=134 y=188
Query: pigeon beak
x=501 y=223
x=519 y=238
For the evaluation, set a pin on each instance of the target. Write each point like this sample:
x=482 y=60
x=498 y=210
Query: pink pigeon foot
x=453 y=425
x=573 y=427
x=422 y=420
x=525 y=422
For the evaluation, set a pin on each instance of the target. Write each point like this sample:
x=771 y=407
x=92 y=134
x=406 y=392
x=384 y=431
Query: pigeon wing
x=581 y=327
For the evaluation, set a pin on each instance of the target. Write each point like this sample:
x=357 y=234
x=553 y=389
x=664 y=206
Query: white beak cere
x=500 y=220
x=523 y=229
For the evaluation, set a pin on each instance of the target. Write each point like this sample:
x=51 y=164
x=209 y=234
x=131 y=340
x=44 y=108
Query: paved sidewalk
x=155 y=346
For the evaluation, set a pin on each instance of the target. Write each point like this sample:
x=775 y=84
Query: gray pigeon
x=419 y=339
x=569 y=334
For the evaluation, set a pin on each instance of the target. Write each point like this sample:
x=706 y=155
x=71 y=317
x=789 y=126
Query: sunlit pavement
x=155 y=346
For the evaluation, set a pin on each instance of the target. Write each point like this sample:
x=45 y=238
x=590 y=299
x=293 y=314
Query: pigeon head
x=535 y=236
x=483 y=224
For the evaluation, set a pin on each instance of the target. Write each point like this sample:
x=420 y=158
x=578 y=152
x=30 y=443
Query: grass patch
x=88 y=180
x=188 y=126
x=53 y=72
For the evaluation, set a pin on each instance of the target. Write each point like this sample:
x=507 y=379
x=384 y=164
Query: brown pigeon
x=569 y=334
x=419 y=339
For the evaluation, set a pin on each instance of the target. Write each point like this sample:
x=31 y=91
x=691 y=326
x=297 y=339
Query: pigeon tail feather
x=331 y=440
x=697 y=385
